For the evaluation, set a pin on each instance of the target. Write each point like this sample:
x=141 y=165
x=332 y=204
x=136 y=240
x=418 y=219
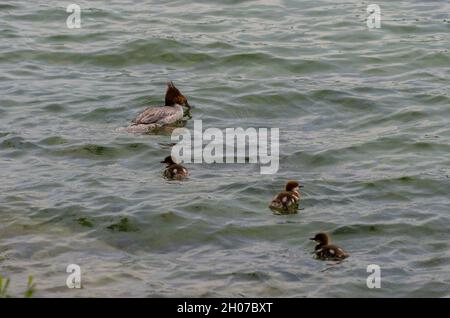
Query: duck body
x=173 y=170
x=160 y=116
x=286 y=202
x=176 y=172
x=327 y=252
x=330 y=252
x=156 y=117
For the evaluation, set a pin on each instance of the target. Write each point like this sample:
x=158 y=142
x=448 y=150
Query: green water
x=364 y=118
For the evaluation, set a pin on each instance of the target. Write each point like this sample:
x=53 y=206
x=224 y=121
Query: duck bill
x=187 y=105
x=312 y=238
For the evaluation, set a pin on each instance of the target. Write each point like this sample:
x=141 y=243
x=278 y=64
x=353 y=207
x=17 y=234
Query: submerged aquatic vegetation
x=4 y=285
x=123 y=225
x=85 y=222
x=31 y=288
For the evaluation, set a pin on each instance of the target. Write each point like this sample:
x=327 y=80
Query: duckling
x=325 y=251
x=173 y=170
x=286 y=202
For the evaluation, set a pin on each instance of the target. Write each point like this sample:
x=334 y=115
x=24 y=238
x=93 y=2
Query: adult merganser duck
x=173 y=170
x=325 y=251
x=286 y=202
x=157 y=117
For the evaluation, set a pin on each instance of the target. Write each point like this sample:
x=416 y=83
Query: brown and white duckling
x=156 y=117
x=286 y=202
x=327 y=252
x=173 y=170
